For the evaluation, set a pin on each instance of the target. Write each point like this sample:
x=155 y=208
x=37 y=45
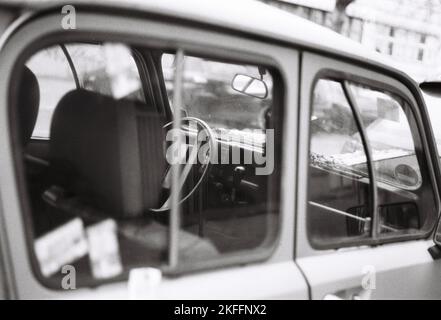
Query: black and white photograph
x=220 y=154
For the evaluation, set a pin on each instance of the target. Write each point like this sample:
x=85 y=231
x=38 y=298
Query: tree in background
x=339 y=14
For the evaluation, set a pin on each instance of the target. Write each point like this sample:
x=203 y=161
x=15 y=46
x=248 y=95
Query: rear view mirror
x=250 y=86
x=432 y=88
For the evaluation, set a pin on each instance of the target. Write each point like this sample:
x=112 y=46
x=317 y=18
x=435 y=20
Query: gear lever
x=238 y=174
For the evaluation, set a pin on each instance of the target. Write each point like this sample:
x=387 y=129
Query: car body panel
x=266 y=21
x=401 y=271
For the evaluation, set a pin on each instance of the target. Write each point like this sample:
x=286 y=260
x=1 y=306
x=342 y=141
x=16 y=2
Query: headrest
x=108 y=152
x=28 y=103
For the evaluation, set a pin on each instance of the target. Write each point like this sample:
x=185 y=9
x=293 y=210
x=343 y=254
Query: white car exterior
x=295 y=270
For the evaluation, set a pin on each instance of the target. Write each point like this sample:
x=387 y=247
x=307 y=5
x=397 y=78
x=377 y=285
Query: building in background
x=407 y=30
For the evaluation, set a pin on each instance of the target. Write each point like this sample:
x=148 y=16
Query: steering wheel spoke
x=194 y=158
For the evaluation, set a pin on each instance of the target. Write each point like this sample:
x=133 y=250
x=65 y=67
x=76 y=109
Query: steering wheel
x=192 y=159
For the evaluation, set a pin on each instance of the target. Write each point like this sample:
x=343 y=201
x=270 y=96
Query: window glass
x=108 y=69
x=209 y=95
x=237 y=207
x=3 y=281
x=338 y=190
x=90 y=194
x=388 y=122
x=339 y=177
x=99 y=188
x=390 y=137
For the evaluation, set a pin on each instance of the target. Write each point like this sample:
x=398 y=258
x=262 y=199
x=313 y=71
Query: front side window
x=341 y=196
x=99 y=184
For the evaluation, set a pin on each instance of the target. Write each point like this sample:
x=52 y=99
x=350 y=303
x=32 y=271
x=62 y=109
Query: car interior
x=104 y=156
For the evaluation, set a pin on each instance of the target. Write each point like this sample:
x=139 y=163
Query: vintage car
x=198 y=149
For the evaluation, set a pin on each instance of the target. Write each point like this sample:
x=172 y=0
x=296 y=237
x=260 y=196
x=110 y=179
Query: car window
x=108 y=69
x=339 y=176
x=100 y=201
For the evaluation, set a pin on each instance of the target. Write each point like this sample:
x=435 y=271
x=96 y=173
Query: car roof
x=249 y=16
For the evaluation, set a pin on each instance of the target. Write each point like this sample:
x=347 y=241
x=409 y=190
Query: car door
x=257 y=269
x=365 y=219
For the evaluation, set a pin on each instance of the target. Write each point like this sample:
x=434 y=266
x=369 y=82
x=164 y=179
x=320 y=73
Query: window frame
x=375 y=238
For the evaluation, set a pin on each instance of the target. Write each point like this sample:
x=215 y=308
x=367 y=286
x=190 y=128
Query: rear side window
x=344 y=208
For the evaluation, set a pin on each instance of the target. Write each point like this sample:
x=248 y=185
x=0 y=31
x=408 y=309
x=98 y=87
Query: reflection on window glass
x=390 y=137
x=55 y=79
x=105 y=68
x=209 y=95
x=334 y=180
x=108 y=69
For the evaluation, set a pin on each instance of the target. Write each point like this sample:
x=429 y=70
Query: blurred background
x=409 y=31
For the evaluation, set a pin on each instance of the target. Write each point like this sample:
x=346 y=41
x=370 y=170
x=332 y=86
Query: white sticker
x=143 y=283
x=104 y=249
x=61 y=246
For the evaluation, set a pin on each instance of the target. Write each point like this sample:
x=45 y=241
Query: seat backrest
x=108 y=152
x=28 y=104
